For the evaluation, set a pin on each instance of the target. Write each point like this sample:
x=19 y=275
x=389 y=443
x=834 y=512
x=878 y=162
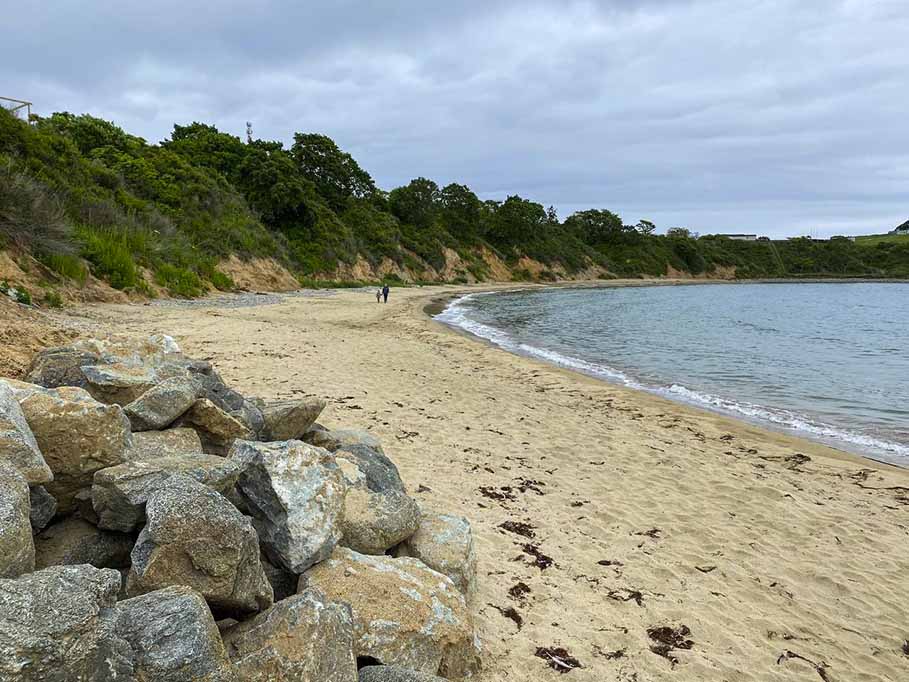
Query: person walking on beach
x=385 y=293
x=378 y=295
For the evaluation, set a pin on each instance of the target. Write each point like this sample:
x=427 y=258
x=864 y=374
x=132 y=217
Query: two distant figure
x=382 y=294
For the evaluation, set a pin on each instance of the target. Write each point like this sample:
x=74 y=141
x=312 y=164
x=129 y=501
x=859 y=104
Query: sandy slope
x=652 y=514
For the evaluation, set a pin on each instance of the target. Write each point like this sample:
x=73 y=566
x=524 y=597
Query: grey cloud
x=782 y=116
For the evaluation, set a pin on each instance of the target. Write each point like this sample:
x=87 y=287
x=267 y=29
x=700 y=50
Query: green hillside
x=78 y=192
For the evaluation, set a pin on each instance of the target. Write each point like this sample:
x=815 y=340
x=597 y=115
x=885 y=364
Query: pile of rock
x=157 y=525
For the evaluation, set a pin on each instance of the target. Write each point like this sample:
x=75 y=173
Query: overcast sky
x=780 y=117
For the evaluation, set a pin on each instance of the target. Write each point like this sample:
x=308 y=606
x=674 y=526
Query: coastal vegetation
x=83 y=196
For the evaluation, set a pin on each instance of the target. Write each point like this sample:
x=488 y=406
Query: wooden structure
x=16 y=105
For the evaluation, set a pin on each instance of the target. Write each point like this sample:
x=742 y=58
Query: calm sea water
x=824 y=361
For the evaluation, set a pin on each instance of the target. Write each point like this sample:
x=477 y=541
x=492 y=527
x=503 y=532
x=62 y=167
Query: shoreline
x=599 y=513
x=439 y=304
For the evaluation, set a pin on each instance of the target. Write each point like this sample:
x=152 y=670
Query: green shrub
x=52 y=299
x=18 y=294
x=179 y=281
x=109 y=255
x=67 y=265
x=521 y=275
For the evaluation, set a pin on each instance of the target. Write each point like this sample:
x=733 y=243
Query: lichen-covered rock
x=213 y=388
x=331 y=440
x=119 y=493
x=375 y=522
x=54 y=367
x=194 y=537
x=77 y=435
x=394 y=673
x=217 y=428
x=295 y=494
x=380 y=473
x=290 y=419
x=17 y=548
x=160 y=405
x=149 y=445
x=18 y=446
x=52 y=625
x=74 y=541
x=404 y=612
x=172 y=637
x=43 y=506
x=117 y=384
x=304 y=638
x=445 y=543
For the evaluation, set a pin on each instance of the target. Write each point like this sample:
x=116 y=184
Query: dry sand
x=784 y=560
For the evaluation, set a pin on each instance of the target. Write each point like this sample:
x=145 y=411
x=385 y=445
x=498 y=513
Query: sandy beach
x=649 y=540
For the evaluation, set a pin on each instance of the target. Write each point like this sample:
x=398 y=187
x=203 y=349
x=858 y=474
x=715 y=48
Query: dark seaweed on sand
x=558 y=659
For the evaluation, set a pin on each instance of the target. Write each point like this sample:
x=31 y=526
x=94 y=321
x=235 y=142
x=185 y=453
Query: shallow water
x=825 y=361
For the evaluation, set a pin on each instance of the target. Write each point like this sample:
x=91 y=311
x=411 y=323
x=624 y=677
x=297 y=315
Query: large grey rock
x=74 y=541
x=160 y=405
x=119 y=493
x=77 y=435
x=295 y=494
x=394 y=673
x=52 y=626
x=115 y=370
x=117 y=384
x=331 y=440
x=18 y=446
x=54 y=367
x=304 y=638
x=290 y=419
x=194 y=537
x=380 y=473
x=444 y=542
x=218 y=428
x=17 y=548
x=375 y=522
x=404 y=612
x=149 y=445
x=43 y=506
x=213 y=388
x=172 y=637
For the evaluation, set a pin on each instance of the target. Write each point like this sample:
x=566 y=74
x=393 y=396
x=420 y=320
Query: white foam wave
x=456 y=315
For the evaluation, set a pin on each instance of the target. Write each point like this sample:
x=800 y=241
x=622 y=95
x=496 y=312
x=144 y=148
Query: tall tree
x=335 y=173
x=416 y=204
x=461 y=210
x=595 y=226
